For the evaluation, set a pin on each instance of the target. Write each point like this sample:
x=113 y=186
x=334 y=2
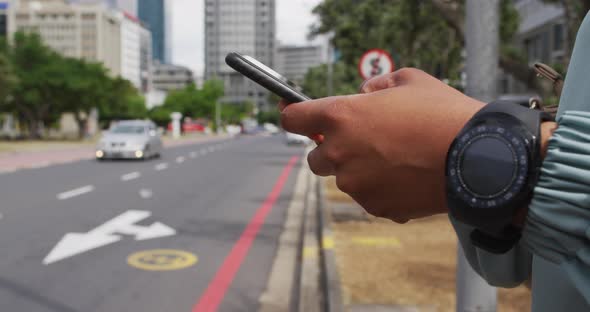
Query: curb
x=330 y=281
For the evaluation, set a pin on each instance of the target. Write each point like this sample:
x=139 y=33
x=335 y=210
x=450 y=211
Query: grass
x=417 y=269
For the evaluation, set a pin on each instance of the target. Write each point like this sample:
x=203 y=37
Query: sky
x=187 y=28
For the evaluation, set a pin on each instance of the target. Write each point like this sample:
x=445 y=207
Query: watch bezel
x=487 y=212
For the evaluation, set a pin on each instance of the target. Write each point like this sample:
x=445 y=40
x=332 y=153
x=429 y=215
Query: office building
x=153 y=13
x=3 y=18
x=246 y=26
x=167 y=77
x=89 y=30
x=145 y=59
x=293 y=62
x=129 y=6
x=81 y=31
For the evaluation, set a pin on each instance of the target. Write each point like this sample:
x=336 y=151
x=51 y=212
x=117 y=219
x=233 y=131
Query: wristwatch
x=492 y=167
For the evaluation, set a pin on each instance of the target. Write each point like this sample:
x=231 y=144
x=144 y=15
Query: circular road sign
x=375 y=62
x=162 y=260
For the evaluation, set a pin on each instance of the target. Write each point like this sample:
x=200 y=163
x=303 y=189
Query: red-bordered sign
x=375 y=62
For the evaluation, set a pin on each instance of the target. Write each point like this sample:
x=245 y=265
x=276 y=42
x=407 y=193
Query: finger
x=282 y=104
x=313 y=117
x=384 y=81
x=319 y=164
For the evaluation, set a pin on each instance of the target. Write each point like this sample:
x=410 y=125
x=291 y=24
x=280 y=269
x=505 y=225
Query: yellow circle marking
x=162 y=260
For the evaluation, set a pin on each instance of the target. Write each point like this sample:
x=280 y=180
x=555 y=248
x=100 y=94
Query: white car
x=296 y=139
x=132 y=139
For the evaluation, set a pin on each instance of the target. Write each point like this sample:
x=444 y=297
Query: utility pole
x=482 y=38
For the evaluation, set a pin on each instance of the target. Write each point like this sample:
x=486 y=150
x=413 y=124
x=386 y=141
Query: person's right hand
x=386 y=147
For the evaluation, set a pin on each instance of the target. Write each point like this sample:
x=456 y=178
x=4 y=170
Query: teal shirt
x=555 y=247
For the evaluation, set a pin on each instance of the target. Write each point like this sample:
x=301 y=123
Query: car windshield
x=128 y=129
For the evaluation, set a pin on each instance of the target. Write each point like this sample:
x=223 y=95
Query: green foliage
x=232 y=113
x=45 y=85
x=191 y=102
x=273 y=116
x=410 y=29
x=345 y=80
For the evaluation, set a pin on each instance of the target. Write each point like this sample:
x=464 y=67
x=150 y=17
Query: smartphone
x=266 y=77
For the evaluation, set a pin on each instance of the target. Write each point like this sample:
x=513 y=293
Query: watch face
x=488 y=165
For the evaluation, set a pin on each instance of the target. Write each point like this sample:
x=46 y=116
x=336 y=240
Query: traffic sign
x=375 y=62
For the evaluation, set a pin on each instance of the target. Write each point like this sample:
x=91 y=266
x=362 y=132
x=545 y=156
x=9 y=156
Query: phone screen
x=270 y=71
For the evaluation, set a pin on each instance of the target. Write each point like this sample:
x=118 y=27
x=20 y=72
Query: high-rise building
x=153 y=14
x=92 y=31
x=3 y=20
x=245 y=26
x=129 y=6
x=81 y=31
x=169 y=77
x=293 y=62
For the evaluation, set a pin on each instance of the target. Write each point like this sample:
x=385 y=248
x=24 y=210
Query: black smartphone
x=266 y=77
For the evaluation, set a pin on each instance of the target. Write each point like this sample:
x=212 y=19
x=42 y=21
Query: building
x=3 y=20
x=81 y=31
x=167 y=77
x=293 y=62
x=129 y=6
x=145 y=59
x=245 y=26
x=131 y=30
x=90 y=30
x=153 y=14
x=541 y=34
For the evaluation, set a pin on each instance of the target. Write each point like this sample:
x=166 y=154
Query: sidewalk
x=26 y=155
x=384 y=266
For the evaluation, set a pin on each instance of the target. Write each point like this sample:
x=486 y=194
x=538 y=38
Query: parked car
x=132 y=139
x=296 y=139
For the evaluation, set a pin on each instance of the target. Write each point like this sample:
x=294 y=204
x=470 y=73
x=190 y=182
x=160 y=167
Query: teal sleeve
x=558 y=223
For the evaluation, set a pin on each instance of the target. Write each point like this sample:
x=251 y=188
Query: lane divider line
x=145 y=193
x=75 y=192
x=130 y=176
x=193 y=154
x=161 y=166
x=180 y=159
x=224 y=276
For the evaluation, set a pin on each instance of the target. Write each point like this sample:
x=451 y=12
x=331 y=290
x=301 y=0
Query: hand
x=387 y=146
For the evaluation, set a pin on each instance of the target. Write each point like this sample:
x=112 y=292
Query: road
x=70 y=233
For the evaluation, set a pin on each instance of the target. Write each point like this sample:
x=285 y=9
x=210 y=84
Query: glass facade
x=152 y=13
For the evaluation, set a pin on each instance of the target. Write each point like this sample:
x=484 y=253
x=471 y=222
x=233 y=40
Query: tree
x=193 y=102
x=39 y=75
x=123 y=102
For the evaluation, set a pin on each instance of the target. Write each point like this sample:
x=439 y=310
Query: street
x=196 y=230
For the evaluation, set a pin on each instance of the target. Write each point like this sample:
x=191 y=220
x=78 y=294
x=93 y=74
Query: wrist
x=547 y=129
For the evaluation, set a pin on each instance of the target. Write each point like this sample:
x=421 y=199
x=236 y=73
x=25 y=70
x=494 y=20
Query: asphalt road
x=223 y=202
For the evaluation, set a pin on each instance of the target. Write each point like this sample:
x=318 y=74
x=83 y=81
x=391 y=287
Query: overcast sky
x=293 y=20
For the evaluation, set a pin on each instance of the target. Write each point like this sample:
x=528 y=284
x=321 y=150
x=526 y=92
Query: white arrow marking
x=161 y=166
x=76 y=243
x=145 y=193
x=75 y=192
x=130 y=176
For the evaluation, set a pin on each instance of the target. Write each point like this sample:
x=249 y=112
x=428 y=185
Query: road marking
x=310 y=252
x=161 y=166
x=75 y=192
x=145 y=193
x=180 y=159
x=162 y=260
x=193 y=154
x=130 y=176
x=376 y=241
x=223 y=278
x=328 y=242
x=76 y=243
